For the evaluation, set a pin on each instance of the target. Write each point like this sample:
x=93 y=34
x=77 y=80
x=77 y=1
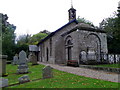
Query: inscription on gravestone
x=47 y=72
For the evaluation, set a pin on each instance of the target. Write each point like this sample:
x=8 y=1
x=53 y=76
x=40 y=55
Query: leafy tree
x=8 y=37
x=37 y=37
x=83 y=20
x=23 y=39
x=112 y=26
x=22 y=43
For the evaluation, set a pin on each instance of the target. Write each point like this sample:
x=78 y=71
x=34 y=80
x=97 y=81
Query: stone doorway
x=69 y=53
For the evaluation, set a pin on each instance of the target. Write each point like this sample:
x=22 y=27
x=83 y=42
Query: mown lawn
x=34 y=72
x=109 y=65
x=61 y=79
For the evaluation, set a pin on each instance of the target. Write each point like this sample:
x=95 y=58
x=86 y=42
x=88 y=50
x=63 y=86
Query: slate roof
x=81 y=26
x=53 y=33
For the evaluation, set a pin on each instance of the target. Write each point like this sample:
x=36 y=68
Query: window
x=50 y=46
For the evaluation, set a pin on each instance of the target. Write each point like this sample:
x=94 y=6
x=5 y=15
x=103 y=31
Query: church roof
x=53 y=33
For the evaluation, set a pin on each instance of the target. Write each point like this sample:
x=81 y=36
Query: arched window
x=69 y=45
x=69 y=42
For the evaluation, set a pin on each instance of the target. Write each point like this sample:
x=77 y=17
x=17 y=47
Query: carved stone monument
x=47 y=72
x=22 y=67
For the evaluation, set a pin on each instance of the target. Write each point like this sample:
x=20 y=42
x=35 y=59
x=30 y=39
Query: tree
x=83 y=20
x=22 y=43
x=23 y=39
x=112 y=26
x=8 y=37
x=37 y=37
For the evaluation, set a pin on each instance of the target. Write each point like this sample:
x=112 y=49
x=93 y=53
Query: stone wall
x=64 y=46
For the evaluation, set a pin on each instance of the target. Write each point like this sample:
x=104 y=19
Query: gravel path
x=113 y=77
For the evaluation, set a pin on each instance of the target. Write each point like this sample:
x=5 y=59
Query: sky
x=33 y=16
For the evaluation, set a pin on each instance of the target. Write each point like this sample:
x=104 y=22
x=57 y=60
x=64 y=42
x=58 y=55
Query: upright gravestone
x=83 y=56
x=33 y=59
x=47 y=72
x=3 y=59
x=3 y=82
x=22 y=67
x=15 y=60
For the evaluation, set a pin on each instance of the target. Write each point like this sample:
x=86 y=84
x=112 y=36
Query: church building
x=73 y=41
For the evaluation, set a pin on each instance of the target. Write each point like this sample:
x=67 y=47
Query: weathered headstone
x=33 y=59
x=15 y=60
x=3 y=59
x=47 y=72
x=24 y=79
x=91 y=55
x=22 y=67
x=3 y=82
x=22 y=58
x=83 y=56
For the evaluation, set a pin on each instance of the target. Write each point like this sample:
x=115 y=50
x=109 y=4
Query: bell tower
x=72 y=13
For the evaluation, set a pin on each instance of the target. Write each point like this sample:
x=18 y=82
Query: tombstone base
x=22 y=71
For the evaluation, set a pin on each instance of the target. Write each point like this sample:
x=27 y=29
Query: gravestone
x=22 y=58
x=30 y=57
x=91 y=55
x=22 y=67
x=24 y=79
x=3 y=59
x=47 y=72
x=83 y=56
x=3 y=82
x=33 y=59
x=15 y=60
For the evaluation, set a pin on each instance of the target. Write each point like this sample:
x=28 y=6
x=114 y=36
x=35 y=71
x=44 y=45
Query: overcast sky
x=33 y=16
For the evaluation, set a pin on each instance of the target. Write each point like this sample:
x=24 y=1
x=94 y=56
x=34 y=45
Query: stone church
x=73 y=41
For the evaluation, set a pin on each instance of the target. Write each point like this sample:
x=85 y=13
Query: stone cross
x=3 y=82
x=47 y=72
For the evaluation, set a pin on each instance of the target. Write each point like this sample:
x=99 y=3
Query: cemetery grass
x=34 y=72
x=109 y=65
x=61 y=79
